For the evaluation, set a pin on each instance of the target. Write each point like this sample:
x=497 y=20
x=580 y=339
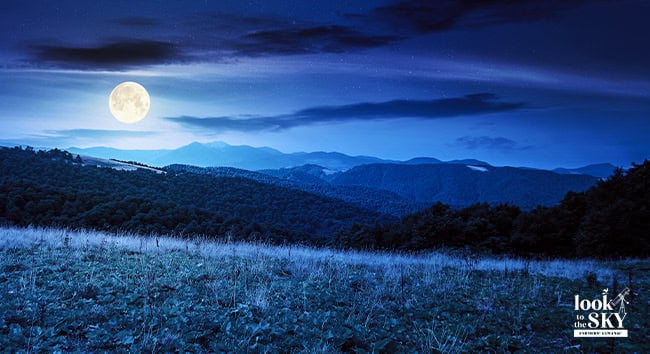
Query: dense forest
x=378 y=200
x=609 y=220
x=461 y=186
x=55 y=188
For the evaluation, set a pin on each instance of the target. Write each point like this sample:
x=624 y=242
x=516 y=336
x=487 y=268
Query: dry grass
x=304 y=256
x=76 y=290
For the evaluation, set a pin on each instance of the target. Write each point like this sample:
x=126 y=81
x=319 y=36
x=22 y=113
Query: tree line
x=55 y=188
x=609 y=220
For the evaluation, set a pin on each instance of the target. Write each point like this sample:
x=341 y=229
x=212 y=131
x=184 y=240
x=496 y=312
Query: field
x=66 y=290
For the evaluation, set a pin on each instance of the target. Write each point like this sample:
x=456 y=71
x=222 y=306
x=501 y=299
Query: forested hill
x=420 y=184
x=463 y=185
x=56 y=188
x=378 y=200
x=609 y=220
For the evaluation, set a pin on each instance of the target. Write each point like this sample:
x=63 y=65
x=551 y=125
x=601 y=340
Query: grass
x=66 y=290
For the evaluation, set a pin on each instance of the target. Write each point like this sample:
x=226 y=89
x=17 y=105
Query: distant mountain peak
x=463 y=185
x=221 y=154
x=422 y=161
x=215 y=144
x=472 y=162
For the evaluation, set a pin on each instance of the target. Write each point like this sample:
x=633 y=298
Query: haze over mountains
x=221 y=154
x=55 y=188
x=386 y=186
x=601 y=170
x=399 y=189
x=385 y=205
x=265 y=158
x=463 y=185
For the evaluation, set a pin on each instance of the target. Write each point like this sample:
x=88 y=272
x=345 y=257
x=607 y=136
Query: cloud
x=218 y=37
x=425 y=17
x=109 y=55
x=440 y=108
x=482 y=103
x=307 y=40
x=489 y=143
x=71 y=137
x=99 y=133
x=381 y=26
x=207 y=39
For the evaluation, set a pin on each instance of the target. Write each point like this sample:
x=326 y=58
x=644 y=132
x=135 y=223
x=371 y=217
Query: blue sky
x=528 y=83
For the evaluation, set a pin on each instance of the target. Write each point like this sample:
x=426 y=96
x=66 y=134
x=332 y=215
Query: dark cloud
x=305 y=40
x=209 y=38
x=474 y=104
x=219 y=36
x=489 y=143
x=109 y=55
x=388 y=24
x=439 y=108
x=418 y=16
x=433 y=16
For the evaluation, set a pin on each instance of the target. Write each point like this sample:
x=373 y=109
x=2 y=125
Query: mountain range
x=265 y=158
x=463 y=185
x=601 y=170
x=385 y=186
x=55 y=188
x=376 y=205
x=224 y=155
x=399 y=189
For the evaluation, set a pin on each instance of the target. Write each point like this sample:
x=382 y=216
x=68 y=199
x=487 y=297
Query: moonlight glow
x=129 y=102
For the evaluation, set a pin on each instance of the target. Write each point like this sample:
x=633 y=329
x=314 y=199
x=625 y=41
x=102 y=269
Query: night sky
x=523 y=83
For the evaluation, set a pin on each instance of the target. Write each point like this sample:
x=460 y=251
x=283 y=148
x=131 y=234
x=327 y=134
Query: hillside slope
x=80 y=291
x=51 y=188
x=225 y=155
x=378 y=200
x=610 y=219
x=463 y=185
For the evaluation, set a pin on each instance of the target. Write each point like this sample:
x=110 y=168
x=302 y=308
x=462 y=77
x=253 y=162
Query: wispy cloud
x=307 y=40
x=211 y=37
x=482 y=103
x=489 y=143
x=71 y=137
x=423 y=17
x=99 y=133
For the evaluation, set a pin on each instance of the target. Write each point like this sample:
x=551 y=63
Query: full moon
x=129 y=102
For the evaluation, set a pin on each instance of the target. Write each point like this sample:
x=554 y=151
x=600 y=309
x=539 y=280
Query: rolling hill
x=601 y=170
x=397 y=187
x=219 y=154
x=224 y=155
x=454 y=183
x=462 y=185
x=305 y=178
x=53 y=188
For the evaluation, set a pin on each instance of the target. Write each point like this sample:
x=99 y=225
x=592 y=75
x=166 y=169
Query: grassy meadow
x=65 y=290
